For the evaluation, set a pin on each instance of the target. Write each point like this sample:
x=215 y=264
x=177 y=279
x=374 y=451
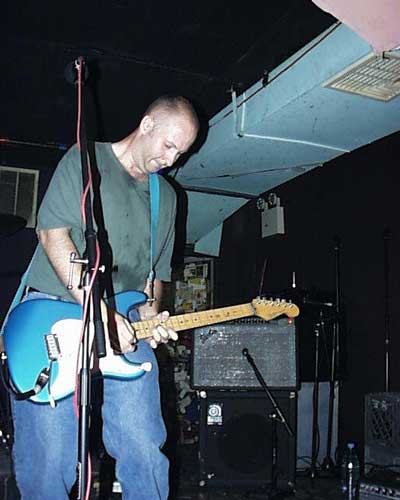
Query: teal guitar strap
x=154 y=184
x=18 y=294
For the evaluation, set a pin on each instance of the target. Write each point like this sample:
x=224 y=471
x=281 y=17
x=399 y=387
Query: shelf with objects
x=190 y=291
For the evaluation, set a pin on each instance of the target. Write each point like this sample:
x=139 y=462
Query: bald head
x=169 y=106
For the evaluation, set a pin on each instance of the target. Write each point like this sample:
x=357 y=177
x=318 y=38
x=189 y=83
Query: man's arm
x=149 y=309
x=58 y=246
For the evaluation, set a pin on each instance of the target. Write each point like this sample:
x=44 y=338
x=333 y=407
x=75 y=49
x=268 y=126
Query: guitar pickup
x=53 y=346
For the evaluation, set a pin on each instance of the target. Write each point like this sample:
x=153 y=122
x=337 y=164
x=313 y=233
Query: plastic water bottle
x=350 y=472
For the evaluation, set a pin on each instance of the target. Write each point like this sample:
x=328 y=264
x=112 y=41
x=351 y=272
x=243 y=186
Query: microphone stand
x=319 y=329
x=386 y=271
x=327 y=463
x=314 y=450
x=275 y=416
x=84 y=396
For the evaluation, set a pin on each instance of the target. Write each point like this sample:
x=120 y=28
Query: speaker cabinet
x=236 y=439
x=218 y=361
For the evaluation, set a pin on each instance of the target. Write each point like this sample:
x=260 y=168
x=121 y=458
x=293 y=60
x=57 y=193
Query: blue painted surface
x=322 y=124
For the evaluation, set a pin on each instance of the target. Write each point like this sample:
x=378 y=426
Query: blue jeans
x=46 y=439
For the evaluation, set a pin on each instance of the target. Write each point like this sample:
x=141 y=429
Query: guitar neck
x=188 y=321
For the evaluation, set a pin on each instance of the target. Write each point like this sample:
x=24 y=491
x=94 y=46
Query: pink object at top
x=376 y=21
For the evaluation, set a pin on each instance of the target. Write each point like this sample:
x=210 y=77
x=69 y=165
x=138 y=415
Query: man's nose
x=171 y=157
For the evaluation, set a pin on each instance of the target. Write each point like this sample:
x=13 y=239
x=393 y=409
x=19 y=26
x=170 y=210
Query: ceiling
x=137 y=51
x=255 y=75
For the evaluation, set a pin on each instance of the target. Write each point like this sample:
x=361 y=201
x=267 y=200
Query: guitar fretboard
x=188 y=321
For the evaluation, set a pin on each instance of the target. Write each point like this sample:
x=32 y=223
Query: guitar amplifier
x=218 y=361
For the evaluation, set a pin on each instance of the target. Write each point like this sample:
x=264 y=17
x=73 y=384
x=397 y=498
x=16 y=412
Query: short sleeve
x=61 y=203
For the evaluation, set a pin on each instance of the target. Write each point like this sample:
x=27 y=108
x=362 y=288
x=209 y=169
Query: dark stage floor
x=186 y=476
x=324 y=487
x=185 y=484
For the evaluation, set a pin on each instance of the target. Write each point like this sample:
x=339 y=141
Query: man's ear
x=146 y=125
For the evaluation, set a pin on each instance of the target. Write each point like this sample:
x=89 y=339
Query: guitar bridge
x=53 y=346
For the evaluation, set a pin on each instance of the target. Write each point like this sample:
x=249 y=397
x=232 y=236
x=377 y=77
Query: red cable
x=96 y=266
x=85 y=192
x=84 y=319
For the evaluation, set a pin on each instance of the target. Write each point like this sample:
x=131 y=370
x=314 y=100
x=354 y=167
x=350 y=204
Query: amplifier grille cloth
x=218 y=362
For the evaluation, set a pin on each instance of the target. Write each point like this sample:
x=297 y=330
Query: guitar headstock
x=269 y=309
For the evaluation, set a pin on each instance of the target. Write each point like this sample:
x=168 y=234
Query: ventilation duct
x=372 y=76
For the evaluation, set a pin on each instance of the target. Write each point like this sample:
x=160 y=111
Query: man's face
x=164 y=139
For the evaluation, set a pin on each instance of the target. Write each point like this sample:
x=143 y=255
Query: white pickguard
x=112 y=365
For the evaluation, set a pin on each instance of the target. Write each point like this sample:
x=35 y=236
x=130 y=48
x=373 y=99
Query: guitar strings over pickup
x=53 y=346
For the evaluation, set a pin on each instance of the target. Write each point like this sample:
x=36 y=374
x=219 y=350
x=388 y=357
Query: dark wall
x=354 y=198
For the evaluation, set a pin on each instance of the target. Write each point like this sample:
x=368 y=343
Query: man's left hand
x=161 y=333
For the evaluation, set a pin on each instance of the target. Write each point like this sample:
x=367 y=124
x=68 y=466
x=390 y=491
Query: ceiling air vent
x=372 y=76
x=18 y=193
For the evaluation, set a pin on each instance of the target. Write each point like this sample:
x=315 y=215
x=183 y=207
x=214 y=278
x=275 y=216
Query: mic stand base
x=328 y=465
x=275 y=417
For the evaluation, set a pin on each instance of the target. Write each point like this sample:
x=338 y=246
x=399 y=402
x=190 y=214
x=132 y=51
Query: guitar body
x=27 y=353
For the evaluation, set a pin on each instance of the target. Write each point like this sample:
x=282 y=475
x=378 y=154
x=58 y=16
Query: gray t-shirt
x=125 y=237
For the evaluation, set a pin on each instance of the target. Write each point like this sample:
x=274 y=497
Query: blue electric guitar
x=42 y=340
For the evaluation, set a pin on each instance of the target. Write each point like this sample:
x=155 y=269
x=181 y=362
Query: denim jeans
x=46 y=438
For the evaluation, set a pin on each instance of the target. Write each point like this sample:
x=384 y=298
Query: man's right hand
x=121 y=334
